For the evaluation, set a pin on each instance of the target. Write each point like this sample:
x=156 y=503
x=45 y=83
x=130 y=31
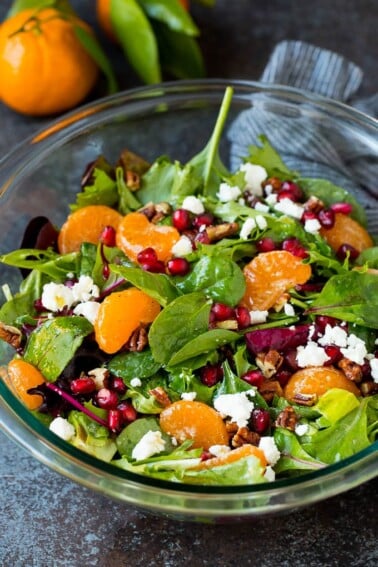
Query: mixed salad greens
x=218 y=386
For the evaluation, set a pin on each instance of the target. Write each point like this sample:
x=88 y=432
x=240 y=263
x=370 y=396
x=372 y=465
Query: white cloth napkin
x=313 y=152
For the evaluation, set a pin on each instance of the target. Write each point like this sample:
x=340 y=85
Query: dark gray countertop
x=48 y=521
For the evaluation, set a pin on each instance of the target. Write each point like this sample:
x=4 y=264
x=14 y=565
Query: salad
x=198 y=325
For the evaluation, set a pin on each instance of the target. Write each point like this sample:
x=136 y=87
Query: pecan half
x=132 y=180
x=369 y=388
x=305 y=399
x=275 y=182
x=161 y=396
x=138 y=340
x=269 y=389
x=10 y=335
x=219 y=231
x=314 y=204
x=287 y=418
x=245 y=436
x=351 y=370
x=269 y=362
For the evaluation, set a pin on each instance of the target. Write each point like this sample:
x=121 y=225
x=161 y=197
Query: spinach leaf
x=180 y=322
x=352 y=297
x=47 y=262
x=266 y=156
x=183 y=381
x=293 y=456
x=129 y=365
x=202 y=344
x=52 y=345
x=134 y=432
x=217 y=277
x=23 y=301
x=158 y=286
x=231 y=384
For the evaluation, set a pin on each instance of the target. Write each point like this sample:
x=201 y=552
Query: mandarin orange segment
x=347 y=231
x=86 y=225
x=233 y=456
x=21 y=377
x=120 y=314
x=269 y=275
x=136 y=232
x=193 y=420
x=317 y=380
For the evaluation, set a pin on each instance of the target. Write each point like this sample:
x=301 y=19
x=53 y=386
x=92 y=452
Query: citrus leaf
x=137 y=38
x=92 y=46
x=19 y=5
x=171 y=13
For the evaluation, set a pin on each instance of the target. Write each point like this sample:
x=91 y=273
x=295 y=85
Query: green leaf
x=157 y=286
x=53 y=344
x=247 y=470
x=266 y=156
x=368 y=257
x=129 y=365
x=19 y=5
x=127 y=200
x=23 y=301
x=171 y=13
x=45 y=261
x=134 y=432
x=293 y=456
x=180 y=322
x=183 y=380
x=333 y=405
x=203 y=344
x=157 y=181
x=103 y=191
x=93 y=47
x=91 y=437
x=137 y=38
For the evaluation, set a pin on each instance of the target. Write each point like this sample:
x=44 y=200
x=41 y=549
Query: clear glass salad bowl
x=42 y=175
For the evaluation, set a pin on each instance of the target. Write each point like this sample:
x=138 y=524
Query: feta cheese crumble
x=190 y=396
x=227 y=193
x=88 y=309
x=219 y=450
x=261 y=222
x=374 y=369
x=56 y=297
x=254 y=175
x=269 y=447
x=236 y=406
x=289 y=310
x=150 y=444
x=355 y=350
x=334 y=336
x=248 y=226
x=258 y=317
x=183 y=247
x=301 y=429
x=85 y=289
x=311 y=355
x=135 y=382
x=193 y=205
x=312 y=226
x=62 y=428
x=289 y=208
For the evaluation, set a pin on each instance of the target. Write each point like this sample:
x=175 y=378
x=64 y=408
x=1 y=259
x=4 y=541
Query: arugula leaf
x=157 y=286
x=266 y=156
x=52 y=345
x=180 y=322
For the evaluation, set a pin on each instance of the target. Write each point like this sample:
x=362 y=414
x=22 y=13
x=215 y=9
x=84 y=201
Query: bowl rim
x=65 y=127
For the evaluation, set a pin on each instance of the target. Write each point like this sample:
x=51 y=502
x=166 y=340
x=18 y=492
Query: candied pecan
x=351 y=370
x=305 y=399
x=161 y=396
x=132 y=180
x=162 y=210
x=269 y=389
x=148 y=210
x=369 y=388
x=138 y=340
x=10 y=335
x=275 y=183
x=269 y=362
x=245 y=436
x=287 y=418
x=219 y=231
x=314 y=204
x=231 y=428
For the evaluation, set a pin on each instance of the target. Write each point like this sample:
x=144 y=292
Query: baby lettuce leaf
x=293 y=456
x=53 y=344
x=92 y=437
x=183 y=381
x=266 y=156
x=333 y=405
x=368 y=257
x=102 y=191
x=247 y=470
x=352 y=297
x=129 y=365
x=48 y=262
x=127 y=200
x=158 y=286
x=180 y=322
x=217 y=277
x=23 y=301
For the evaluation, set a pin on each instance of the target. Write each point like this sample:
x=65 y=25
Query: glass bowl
x=42 y=175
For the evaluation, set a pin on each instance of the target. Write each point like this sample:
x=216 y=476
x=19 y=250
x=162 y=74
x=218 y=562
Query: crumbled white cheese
x=62 y=428
x=261 y=222
x=227 y=193
x=289 y=310
x=193 y=205
x=311 y=355
x=182 y=247
x=248 y=225
x=258 y=317
x=334 y=336
x=269 y=447
x=236 y=406
x=356 y=349
x=85 y=289
x=261 y=207
x=150 y=444
x=219 y=450
x=241 y=201
x=301 y=429
x=56 y=296
x=289 y=208
x=99 y=375
x=190 y=396
x=268 y=189
x=88 y=309
x=271 y=199
x=374 y=369
x=312 y=226
x=254 y=175
x=135 y=382
x=269 y=474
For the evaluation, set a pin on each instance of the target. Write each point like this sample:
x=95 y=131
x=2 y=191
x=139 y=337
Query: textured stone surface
x=48 y=521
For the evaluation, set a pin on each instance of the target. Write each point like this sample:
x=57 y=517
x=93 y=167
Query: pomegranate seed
x=115 y=420
x=84 y=385
x=294 y=189
x=283 y=377
x=206 y=455
x=346 y=250
x=308 y=215
x=205 y=219
x=295 y=247
x=326 y=217
x=254 y=377
x=285 y=194
x=260 y=420
x=243 y=317
x=309 y=287
x=344 y=208
x=334 y=354
x=211 y=375
x=157 y=267
x=108 y=236
x=129 y=413
x=118 y=385
x=146 y=256
x=266 y=245
x=202 y=237
x=178 y=266
x=222 y=312
x=181 y=219
x=106 y=399
x=322 y=321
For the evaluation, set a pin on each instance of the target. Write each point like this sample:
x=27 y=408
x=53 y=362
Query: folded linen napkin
x=319 y=152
